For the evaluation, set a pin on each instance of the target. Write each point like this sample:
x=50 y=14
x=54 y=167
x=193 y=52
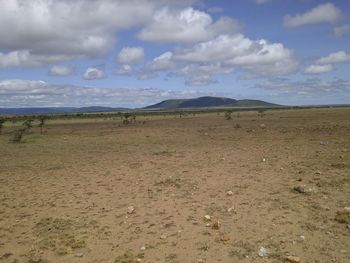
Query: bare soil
x=100 y=191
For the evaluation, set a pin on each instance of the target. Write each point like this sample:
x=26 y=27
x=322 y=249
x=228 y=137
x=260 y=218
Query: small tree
x=261 y=112
x=18 y=135
x=28 y=124
x=126 y=120
x=42 y=120
x=2 y=121
x=228 y=115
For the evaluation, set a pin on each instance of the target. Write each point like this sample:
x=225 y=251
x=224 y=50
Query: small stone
x=300 y=189
x=143 y=248
x=216 y=225
x=131 y=209
x=225 y=238
x=263 y=252
x=262 y=125
x=207 y=224
x=263 y=159
x=301 y=238
x=79 y=255
x=229 y=193
x=347 y=208
x=231 y=209
x=207 y=217
x=138 y=260
x=163 y=237
x=293 y=259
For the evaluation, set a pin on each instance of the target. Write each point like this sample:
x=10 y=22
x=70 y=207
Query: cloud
x=32 y=93
x=59 y=70
x=25 y=58
x=318 y=69
x=131 y=55
x=124 y=70
x=337 y=57
x=42 y=32
x=258 y=58
x=342 y=30
x=308 y=87
x=93 y=73
x=185 y=26
x=322 y=13
x=260 y=2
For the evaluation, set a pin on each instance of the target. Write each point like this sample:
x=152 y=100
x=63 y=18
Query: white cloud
x=131 y=55
x=124 y=70
x=337 y=57
x=30 y=93
x=59 y=70
x=25 y=58
x=342 y=30
x=185 y=26
x=41 y=32
x=93 y=73
x=322 y=13
x=260 y=2
x=257 y=58
x=318 y=69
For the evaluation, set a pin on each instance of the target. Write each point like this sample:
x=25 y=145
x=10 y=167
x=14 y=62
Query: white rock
x=163 y=237
x=229 y=193
x=131 y=209
x=263 y=252
x=207 y=217
x=143 y=248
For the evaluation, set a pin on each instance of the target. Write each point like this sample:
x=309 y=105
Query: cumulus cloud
x=257 y=58
x=342 y=30
x=93 y=73
x=131 y=55
x=41 y=32
x=59 y=70
x=336 y=57
x=29 y=93
x=124 y=70
x=322 y=13
x=26 y=58
x=318 y=69
x=185 y=26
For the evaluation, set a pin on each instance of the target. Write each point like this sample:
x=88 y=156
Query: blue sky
x=134 y=53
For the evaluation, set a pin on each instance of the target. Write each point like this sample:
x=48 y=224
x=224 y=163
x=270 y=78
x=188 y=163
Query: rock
x=301 y=238
x=131 y=209
x=263 y=252
x=216 y=225
x=293 y=259
x=207 y=217
x=79 y=255
x=343 y=217
x=143 y=248
x=163 y=237
x=231 y=209
x=229 y=193
x=225 y=238
x=262 y=125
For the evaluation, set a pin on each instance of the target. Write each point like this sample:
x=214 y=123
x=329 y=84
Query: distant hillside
x=58 y=110
x=208 y=102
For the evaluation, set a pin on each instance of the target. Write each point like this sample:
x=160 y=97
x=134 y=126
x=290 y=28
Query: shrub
x=18 y=135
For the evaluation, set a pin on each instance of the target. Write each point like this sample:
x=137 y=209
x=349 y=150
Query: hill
x=209 y=102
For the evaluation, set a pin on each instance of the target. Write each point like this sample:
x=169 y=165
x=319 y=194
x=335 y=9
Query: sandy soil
x=98 y=191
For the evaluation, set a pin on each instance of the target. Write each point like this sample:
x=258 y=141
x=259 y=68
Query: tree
x=42 y=120
x=28 y=124
x=228 y=115
x=2 y=121
x=18 y=135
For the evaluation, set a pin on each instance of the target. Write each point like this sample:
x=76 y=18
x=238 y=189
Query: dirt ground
x=196 y=189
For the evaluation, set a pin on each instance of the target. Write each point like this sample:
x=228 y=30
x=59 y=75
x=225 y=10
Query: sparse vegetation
x=42 y=120
x=2 y=121
x=17 y=135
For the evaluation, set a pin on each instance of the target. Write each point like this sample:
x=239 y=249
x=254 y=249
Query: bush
x=18 y=135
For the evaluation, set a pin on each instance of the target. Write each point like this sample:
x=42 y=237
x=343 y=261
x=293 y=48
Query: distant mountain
x=58 y=110
x=209 y=102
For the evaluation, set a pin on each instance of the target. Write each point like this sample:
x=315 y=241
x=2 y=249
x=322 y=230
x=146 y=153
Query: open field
x=95 y=190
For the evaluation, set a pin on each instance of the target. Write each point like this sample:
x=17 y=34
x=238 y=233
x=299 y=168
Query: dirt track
x=97 y=191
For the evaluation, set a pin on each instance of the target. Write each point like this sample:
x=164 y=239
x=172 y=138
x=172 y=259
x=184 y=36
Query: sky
x=132 y=53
